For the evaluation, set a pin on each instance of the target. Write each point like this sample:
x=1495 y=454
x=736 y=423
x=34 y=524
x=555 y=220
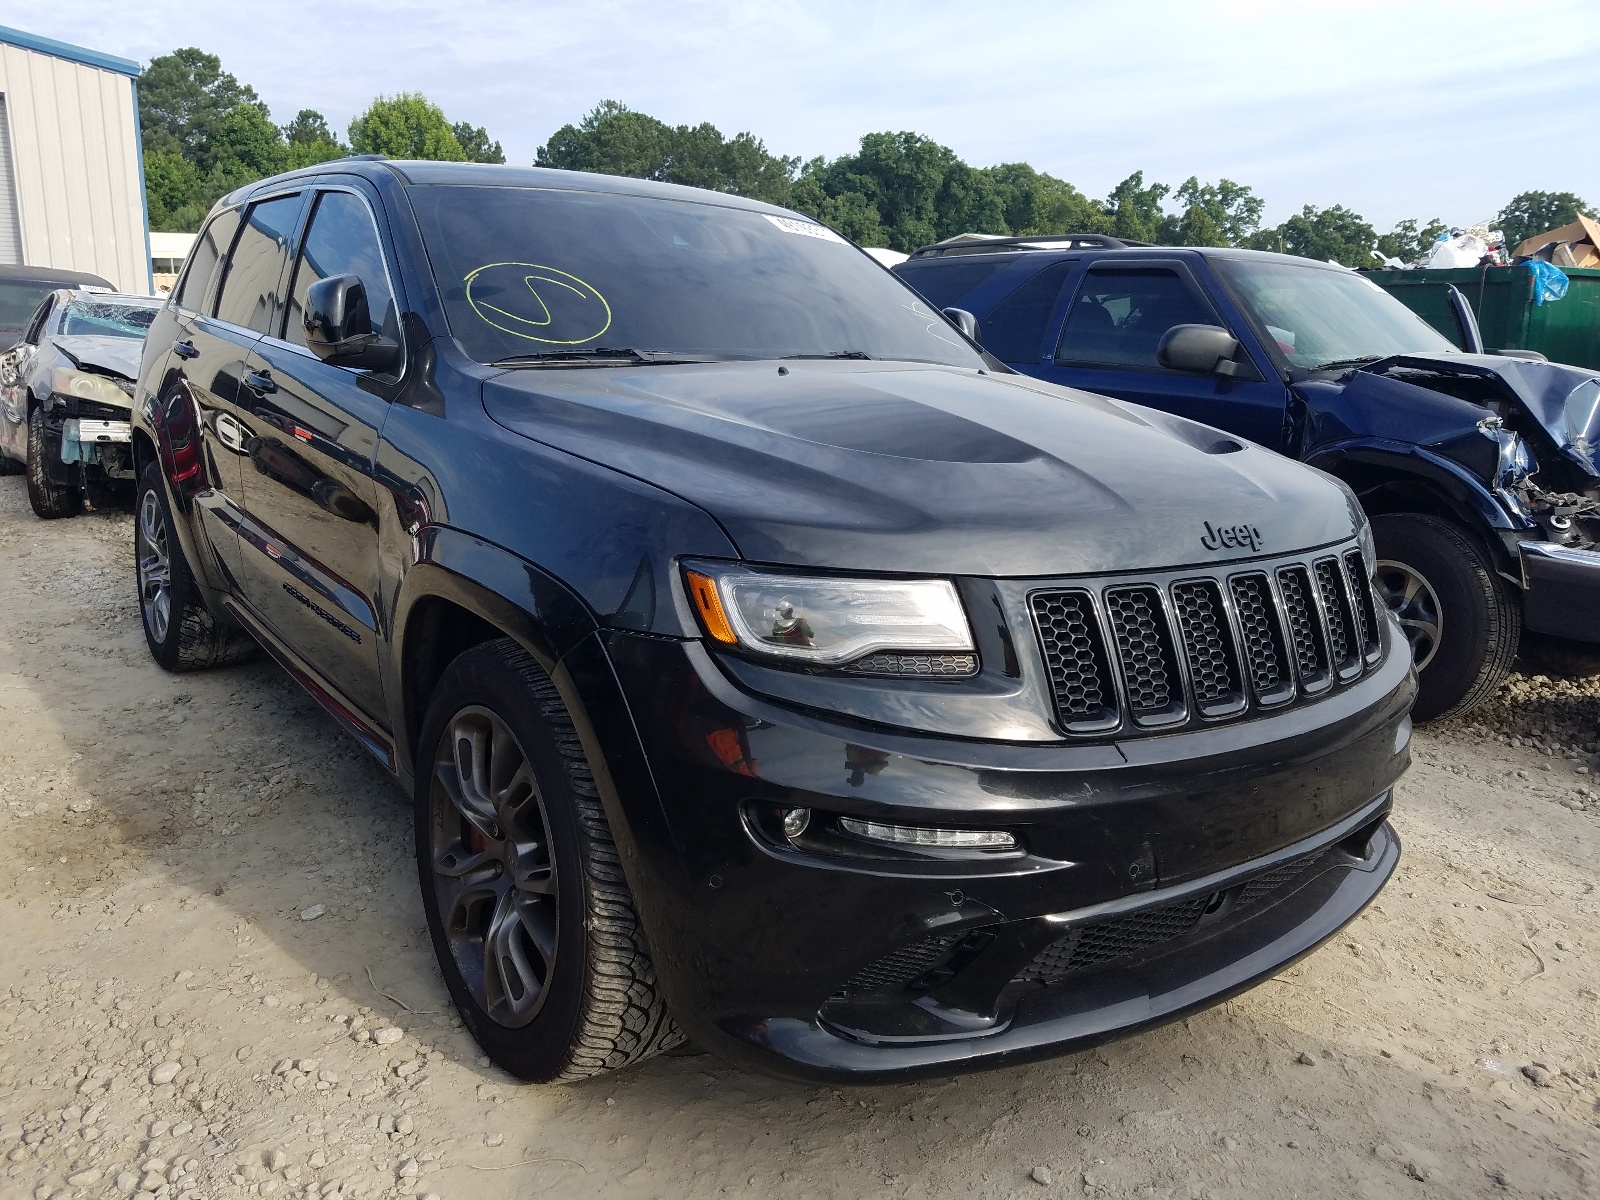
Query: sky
x=1400 y=108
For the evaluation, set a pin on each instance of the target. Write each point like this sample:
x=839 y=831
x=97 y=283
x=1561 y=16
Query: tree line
x=205 y=133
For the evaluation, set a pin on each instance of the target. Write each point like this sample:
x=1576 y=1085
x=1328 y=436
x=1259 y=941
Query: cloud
x=1419 y=109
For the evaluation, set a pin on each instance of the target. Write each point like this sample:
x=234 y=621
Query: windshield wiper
x=1341 y=364
x=833 y=354
x=591 y=354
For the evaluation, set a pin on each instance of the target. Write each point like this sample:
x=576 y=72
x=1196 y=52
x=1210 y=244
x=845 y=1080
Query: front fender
x=1372 y=461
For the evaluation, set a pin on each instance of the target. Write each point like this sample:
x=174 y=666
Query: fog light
x=914 y=835
x=795 y=821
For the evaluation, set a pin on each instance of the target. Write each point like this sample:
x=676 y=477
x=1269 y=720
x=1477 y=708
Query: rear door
x=1117 y=316
x=221 y=313
x=311 y=539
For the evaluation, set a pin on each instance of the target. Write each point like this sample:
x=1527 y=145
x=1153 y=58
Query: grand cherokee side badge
x=1231 y=536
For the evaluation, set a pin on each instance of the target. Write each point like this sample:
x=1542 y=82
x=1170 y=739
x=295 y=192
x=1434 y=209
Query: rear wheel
x=180 y=630
x=49 y=500
x=1460 y=620
x=531 y=916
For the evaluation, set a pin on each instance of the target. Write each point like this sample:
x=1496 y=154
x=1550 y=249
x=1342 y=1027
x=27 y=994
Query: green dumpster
x=1565 y=330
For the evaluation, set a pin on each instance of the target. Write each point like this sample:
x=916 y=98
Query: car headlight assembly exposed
x=64 y=381
x=835 y=621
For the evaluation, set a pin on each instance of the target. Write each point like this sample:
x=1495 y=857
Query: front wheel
x=48 y=498
x=532 y=918
x=1460 y=620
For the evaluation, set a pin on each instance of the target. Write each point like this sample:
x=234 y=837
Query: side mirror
x=339 y=329
x=1203 y=349
x=964 y=321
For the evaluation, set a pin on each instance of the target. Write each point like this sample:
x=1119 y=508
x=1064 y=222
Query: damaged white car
x=66 y=394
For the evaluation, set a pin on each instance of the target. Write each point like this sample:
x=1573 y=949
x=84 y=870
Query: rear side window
x=943 y=282
x=207 y=253
x=343 y=240
x=1119 y=316
x=250 y=295
x=1015 y=330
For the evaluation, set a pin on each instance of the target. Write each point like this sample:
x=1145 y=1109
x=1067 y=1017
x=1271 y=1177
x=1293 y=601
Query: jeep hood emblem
x=1231 y=536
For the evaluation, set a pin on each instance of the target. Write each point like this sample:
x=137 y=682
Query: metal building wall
x=75 y=157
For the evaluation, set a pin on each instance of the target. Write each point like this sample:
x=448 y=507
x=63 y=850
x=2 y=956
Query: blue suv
x=1480 y=472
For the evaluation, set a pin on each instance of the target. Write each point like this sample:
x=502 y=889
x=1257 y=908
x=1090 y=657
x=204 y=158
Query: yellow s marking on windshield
x=915 y=309
x=508 y=296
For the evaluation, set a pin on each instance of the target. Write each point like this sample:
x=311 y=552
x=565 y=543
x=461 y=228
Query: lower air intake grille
x=1144 y=647
x=1089 y=946
x=904 y=965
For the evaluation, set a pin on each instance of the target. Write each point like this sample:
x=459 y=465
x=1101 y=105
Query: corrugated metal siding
x=76 y=166
x=10 y=225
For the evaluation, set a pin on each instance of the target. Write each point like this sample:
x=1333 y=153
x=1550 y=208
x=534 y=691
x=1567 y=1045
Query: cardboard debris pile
x=1575 y=245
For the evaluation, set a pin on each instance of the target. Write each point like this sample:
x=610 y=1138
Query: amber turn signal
x=703 y=591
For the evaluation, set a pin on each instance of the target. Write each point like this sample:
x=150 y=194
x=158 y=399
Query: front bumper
x=865 y=967
x=1561 y=590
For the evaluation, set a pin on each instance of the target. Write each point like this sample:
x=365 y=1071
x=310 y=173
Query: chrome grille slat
x=1148 y=655
x=1343 y=648
x=1145 y=654
x=1208 y=646
x=1266 y=660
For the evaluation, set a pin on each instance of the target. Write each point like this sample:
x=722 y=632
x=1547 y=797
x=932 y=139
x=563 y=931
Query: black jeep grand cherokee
x=758 y=651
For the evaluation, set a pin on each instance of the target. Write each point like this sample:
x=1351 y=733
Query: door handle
x=185 y=349
x=260 y=381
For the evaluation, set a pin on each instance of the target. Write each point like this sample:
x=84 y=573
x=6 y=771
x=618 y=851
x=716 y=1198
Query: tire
x=532 y=872
x=180 y=630
x=10 y=466
x=1463 y=623
x=49 y=500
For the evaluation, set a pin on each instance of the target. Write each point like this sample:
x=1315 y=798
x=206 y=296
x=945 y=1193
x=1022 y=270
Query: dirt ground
x=171 y=1021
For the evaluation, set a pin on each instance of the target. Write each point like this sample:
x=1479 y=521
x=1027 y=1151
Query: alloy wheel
x=494 y=873
x=1410 y=597
x=155 y=566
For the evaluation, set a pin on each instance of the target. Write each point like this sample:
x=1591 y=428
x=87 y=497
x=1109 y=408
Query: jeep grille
x=1155 y=654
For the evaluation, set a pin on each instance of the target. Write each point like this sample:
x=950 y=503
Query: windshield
x=99 y=318
x=527 y=271
x=1322 y=317
x=19 y=298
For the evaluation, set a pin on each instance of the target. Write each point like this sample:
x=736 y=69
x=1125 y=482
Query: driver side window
x=1120 y=315
x=342 y=240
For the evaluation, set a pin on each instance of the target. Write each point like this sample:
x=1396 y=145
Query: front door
x=311 y=540
x=1108 y=345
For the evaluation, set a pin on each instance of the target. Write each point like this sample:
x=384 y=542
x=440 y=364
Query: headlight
x=64 y=381
x=827 y=621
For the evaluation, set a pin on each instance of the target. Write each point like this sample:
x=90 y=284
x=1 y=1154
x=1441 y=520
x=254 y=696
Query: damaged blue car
x=1480 y=472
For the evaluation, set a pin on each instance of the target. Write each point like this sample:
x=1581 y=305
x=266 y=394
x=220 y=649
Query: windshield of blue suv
x=548 y=275
x=105 y=318
x=1322 y=318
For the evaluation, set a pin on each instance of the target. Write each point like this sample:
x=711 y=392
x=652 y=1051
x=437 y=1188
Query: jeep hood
x=1448 y=393
x=104 y=355
x=903 y=467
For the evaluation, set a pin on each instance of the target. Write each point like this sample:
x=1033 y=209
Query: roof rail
x=968 y=243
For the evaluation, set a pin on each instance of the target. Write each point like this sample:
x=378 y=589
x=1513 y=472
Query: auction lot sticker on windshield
x=806 y=229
